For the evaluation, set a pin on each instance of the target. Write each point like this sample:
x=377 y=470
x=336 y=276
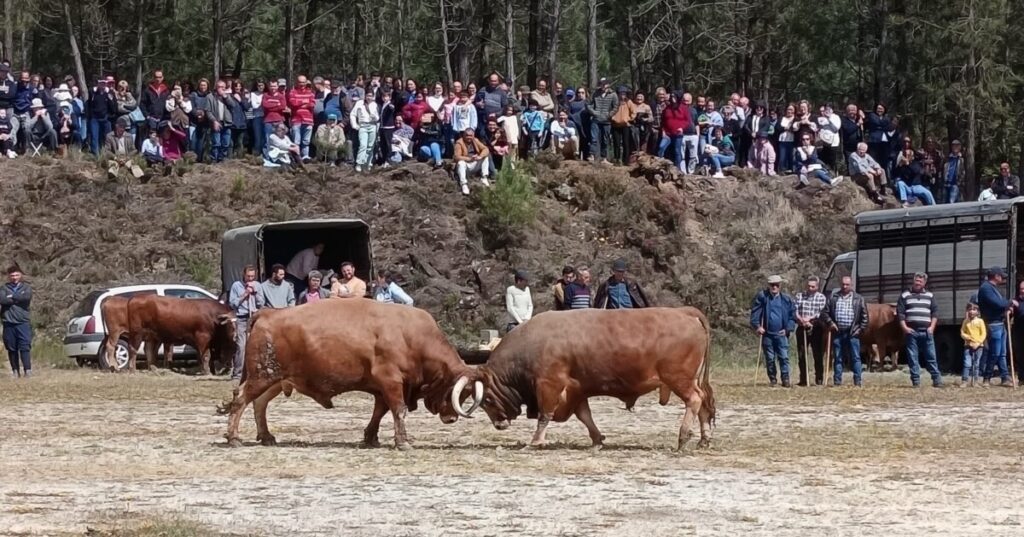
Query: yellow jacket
x=973 y=332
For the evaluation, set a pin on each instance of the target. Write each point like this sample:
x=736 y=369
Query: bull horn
x=457 y=391
x=478 y=396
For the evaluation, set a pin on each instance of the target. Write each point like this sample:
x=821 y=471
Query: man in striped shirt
x=809 y=304
x=918 y=315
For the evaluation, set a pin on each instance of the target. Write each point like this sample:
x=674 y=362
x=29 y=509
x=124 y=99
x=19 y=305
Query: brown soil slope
x=689 y=240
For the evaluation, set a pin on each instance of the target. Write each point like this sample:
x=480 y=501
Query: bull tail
x=704 y=382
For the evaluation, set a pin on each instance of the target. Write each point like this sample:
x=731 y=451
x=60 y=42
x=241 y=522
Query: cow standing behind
x=883 y=336
x=620 y=353
x=323 y=349
x=114 y=311
x=203 y=323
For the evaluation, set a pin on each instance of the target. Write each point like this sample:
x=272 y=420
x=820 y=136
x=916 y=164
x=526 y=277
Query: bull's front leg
x=395 y=401
x=549 y=396
x=370 y=433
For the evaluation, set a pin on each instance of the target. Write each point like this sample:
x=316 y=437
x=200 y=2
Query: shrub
x=507 y=208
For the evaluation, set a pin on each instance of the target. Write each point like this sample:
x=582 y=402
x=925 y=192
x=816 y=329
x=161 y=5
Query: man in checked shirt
x=847 y=317
x=809 y=304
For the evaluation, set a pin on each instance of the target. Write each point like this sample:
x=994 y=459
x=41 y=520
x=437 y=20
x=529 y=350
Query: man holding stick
x=994 y=309
x=846 y=316
x=809 y=304
x=772 y=316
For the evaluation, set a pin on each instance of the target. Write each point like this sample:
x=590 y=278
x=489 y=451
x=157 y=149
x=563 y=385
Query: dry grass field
x=86 y=453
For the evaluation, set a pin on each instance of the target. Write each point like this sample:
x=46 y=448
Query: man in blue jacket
x=15 y=302
x=993 y=310
x=773 y=316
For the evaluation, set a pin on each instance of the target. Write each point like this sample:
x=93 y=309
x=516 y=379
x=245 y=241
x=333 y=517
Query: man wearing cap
x=953 y=172
x=601 y=109
x=518 y=301
x=15 y=303
x=773 y=317
x=558 y=290
x=330 y=139
x=121 y=146
x=40 y=127
x=101 y=106
x=846 y=316
x=993 y=311
x=918 y=315
x=620 y=292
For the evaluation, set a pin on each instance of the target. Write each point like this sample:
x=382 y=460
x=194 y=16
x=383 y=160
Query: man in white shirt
x=301 y=265
x=564 y=138
x=518 y=301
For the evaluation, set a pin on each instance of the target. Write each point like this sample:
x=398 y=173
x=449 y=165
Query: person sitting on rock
x=330 y=139
x=281 y=151
x=152 y=149
x=807 y=163
x=471 y=156
x=761 y=156
x=121 y=146
x=401 y=141
x=6 y=135
x=720 y=152
x=40 y=128
x=564 y=138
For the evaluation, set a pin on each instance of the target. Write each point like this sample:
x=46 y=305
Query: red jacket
x=412 y=113
x=674 y=120
x=273 y=107
x=301 y=101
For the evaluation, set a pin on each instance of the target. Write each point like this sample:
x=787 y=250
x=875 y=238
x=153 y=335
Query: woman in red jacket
x=274 y=106
x=675 y=120
x=413 y=111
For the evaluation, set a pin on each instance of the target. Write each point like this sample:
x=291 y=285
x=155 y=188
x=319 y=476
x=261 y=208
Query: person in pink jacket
x=171 y=139
x=301 y=101
x=761 y=156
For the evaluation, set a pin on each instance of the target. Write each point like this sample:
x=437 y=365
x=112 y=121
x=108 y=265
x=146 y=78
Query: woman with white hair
x=315 y=292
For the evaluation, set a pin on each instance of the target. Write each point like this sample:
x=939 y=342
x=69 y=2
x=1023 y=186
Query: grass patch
x=129 y=525
x=49 y=354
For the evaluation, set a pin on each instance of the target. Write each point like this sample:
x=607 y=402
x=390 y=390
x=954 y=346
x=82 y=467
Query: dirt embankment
x=688 y=240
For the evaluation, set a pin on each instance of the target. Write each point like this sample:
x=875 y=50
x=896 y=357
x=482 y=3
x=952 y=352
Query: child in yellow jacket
x=973 y=333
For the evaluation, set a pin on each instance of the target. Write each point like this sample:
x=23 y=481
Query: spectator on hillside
x=545 y=102
x=78 y=116
x=273 y=103
x=518 y=301
x=153 y=103
x=642 y=123
x=281 y=151
x=201 y=124
x=509 y=123
x=6 y=135
x=257 y=134
x=787 y=140
x=877 y=129
x=39 y=127
x=414 y=111
x=278 y=293
x=313 y=291
x=430 y=140
x=389 y=121
x=386 y=290
x=953 y=173
x=152 y=149
x=620 y=291
x=171 y=140
x=731 y=125
x=761 y=156
x=564 y=138
x=7 y=96
x=15 y=306
x=125 y=102
x=497 y=146
x=601 y=109
x=558 y=289
x=932 y=164
x=719 y=153
x=435 y=102
x=330 y=140
x=755 y=122
x=866 y=172
x=101 y=107
x=534 y=122
x=24 y=93
x=302 y=102
x=471 y=156
x=657 y=136
x=1006 y=185
x=578 y=293
x=829 y=125
x=909 y=175
x=492 y=99
x=364 y=120
x=348 y=285
x=708 y=119
x=179 y=110
x=578 y=113
x=850 y=130
x=65 y=128
x=676 y=121
x=808 y=164
x=121 y=147
x=803 y=123
x=238 y=106
x=220 y=121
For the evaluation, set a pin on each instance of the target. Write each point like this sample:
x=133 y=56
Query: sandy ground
x=83 y=448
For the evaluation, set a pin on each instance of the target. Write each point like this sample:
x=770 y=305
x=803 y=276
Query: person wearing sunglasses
x=808 y=164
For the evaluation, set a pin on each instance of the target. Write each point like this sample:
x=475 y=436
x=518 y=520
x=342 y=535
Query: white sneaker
x=11 y=154
x=485 y=181
x=465 y=190
x=836 y=181
x=359 y=168
x=719 y=175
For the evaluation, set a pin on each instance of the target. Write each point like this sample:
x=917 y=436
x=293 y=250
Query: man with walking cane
x=773 y=317
x=809 y=304
x=994 y=309
x=1017 y=332
x=846 y=317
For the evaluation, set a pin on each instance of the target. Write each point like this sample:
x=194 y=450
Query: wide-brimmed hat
x=774 y=278
x=37 y=103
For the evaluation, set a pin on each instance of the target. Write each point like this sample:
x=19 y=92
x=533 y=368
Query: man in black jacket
x=15 y=301
x=620 y=292
x=846 y=316
x=1006 y=185
x=153 y=104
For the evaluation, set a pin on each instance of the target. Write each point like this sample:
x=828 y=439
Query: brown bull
x=203 y=323
x=616 y=353
x=883 y=336
x=114 y=311
x=395 y=353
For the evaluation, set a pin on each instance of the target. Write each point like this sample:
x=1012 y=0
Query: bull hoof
x=596 y=447
x=268 y=440
x=704 y=443
x=371 y=443
x=404 y=447
x=532 y=447
x=234 y=442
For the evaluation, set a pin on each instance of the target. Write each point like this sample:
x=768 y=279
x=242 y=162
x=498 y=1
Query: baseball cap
x=619 y=265
x=996 y=271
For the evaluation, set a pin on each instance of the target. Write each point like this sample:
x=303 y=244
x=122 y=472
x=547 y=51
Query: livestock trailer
x=263 y=245
x=954 y=244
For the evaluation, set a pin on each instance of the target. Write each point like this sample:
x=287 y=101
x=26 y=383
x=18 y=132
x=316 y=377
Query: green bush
x=507 y=208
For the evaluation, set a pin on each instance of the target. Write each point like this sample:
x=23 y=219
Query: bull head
x=478 y=396
x=226 y=318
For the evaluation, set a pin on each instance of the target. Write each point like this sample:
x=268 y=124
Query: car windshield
x=85 y=307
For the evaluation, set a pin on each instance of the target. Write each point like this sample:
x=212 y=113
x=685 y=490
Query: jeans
x=691 y=146
x=98 y=130
x=972 y=361
x=257 y=136
x=241 y=336
x=198 y=141
x=622 y=143
x=431 y=152
x=386 y=137
x=301 y=135
x=677 y=150
x=18 y=342
x=919 y=191
x=220 y=144
x=844 y=343
x=600 y=138
x=996 y=347
x=268 y=129
x=952 y=193
x=916 y=342
x=719 y=160
x=786 y=157
x=367 y=143
x=776 y=347
x=821 y=174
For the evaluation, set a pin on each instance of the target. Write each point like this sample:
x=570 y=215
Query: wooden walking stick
x=828 y=355
x=760 y=348
x=1009 y=346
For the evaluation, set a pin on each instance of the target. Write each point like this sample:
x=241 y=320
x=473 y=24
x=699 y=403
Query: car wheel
x=120 y=356
x=81 y=361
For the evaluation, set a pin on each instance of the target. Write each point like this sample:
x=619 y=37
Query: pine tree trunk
x=75 y=52
x=556 y=21
x=592 y=44
x=510 y=32
x=483 y=51
x=445 y=42
x=882 y=20
x=289 y=39
x=308 y=32
x=9 y=29
x=140 y=43
x=218 y=38
x=401 y=38
x=633 y=64
x=533 y=43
